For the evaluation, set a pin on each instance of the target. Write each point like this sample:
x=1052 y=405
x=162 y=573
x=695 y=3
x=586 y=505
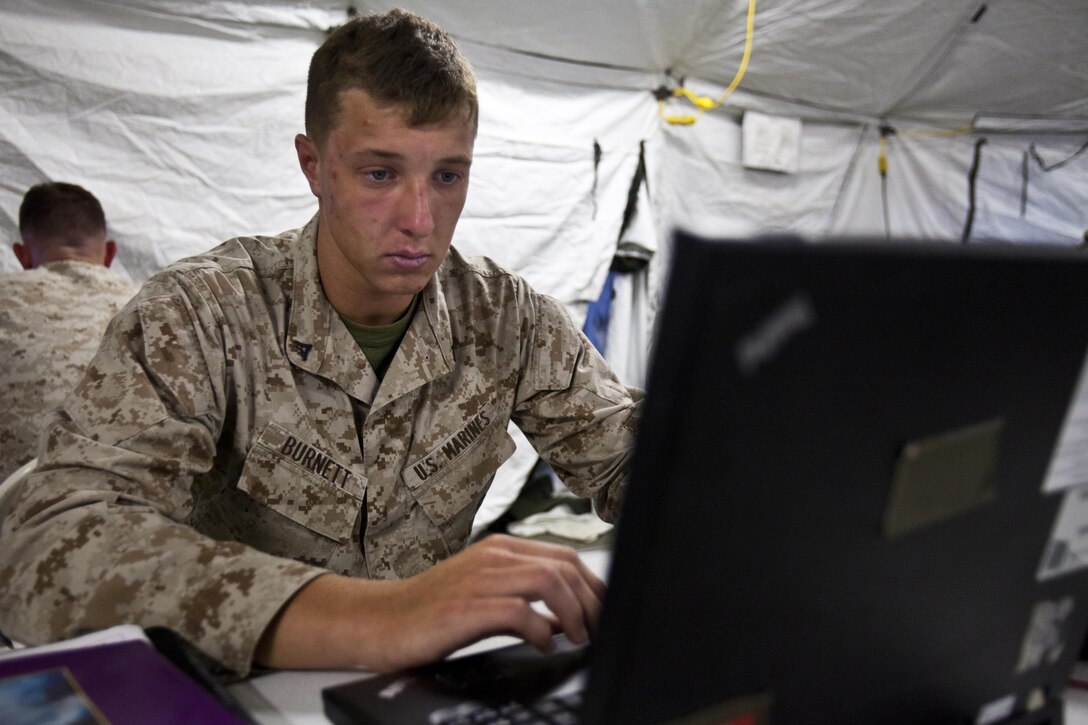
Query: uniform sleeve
x=572 y=406
x=97 y=535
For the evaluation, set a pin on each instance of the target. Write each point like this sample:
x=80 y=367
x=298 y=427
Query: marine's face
x=390 y=197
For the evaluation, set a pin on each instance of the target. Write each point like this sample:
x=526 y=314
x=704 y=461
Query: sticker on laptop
x=1067 y=550
x=1046 y=635
x=996 y=711
x=1069 y=464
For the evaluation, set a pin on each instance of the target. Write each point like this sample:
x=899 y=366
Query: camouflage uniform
x=51 y=321
x=230 y=398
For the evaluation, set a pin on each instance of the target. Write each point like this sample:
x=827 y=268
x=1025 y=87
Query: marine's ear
x=309 y=160
x=22 y=253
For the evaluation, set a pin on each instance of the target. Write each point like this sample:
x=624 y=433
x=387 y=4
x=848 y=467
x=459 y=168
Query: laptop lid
x=837 y=509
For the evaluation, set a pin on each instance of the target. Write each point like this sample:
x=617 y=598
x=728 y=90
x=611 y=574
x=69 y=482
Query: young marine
x=280 y=446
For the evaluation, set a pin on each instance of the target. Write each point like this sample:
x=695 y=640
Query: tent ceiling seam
x=936 y=60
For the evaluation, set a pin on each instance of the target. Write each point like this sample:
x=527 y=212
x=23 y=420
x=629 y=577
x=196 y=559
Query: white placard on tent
x=772 y=143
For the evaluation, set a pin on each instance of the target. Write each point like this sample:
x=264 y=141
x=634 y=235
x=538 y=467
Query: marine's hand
x=486 y=589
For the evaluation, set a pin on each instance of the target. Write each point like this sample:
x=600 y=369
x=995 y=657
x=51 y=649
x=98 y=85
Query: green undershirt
x=379 y=343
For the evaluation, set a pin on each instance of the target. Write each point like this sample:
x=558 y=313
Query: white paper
x=561 y=521
x=1069 y=464
x=120 y=633
x=1068 y=547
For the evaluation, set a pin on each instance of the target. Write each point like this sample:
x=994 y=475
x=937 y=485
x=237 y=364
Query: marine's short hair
x=61 y=213
x=397 y=58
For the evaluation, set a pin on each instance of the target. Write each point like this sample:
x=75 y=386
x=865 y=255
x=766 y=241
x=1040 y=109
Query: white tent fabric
x=179 y=115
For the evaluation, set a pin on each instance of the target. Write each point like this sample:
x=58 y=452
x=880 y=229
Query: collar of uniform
x=76 y=268
x=426 y=352
x=317 y=340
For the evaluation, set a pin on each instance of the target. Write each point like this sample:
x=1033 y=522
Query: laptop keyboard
x=515 y=685
x=556 y=710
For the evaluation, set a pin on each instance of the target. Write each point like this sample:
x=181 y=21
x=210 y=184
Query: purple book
x=122 y=682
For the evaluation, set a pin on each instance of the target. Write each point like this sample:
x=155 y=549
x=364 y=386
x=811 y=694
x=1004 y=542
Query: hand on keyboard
x=488 y=589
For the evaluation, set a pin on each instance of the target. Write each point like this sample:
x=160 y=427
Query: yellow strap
x=705 y=102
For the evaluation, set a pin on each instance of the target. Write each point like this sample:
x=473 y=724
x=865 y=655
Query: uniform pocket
x=301 y=482
x=454 y=476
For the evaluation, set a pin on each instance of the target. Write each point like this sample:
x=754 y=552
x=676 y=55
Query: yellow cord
x=703 y=103
x=674 y=120
x=962 y=131
x=882 y=158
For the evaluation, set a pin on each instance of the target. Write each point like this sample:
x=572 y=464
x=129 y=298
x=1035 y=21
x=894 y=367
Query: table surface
x=294 y=697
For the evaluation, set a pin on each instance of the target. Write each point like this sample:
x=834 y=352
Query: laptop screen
x=837 y=510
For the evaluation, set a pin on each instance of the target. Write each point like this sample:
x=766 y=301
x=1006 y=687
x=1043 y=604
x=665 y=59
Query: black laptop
x=840 y=509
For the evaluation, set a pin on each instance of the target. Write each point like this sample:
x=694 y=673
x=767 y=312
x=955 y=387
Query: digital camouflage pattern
x=220 y=449
x=51 y=321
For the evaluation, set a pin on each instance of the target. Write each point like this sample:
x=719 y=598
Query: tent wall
x=180 y=116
